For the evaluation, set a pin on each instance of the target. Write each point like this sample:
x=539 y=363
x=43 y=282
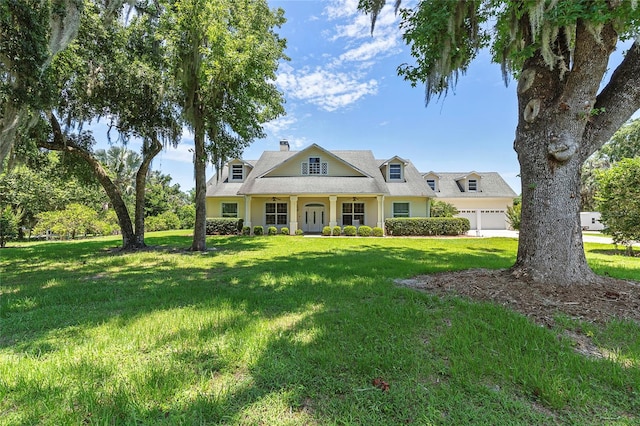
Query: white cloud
x=326 y=89
x=280 y=125
x=183 y=153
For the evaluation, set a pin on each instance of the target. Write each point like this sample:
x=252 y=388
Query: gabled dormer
x=433 y=180
x=469 y=183
x=393 y=169
x=238 y=170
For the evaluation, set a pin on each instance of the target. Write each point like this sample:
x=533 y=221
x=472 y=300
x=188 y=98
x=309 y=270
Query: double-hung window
x=400 y=209
x=236 y=172
x=314 y=165
x=352 y=212
x=395 y=171
x=276 y=213
x=229 y=209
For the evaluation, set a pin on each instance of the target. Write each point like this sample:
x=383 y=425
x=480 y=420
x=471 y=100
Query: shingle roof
x=491 y=186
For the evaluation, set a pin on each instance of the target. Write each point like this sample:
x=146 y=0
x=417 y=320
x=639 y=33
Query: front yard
x=292 y=330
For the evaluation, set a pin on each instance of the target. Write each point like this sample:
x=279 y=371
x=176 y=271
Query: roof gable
x=291 y=166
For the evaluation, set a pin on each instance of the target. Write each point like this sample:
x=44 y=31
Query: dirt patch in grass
x=598 y=302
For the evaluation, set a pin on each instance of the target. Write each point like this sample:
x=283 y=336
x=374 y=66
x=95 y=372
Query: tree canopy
x=559 y=53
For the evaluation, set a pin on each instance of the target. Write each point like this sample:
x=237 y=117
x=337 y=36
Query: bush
x=326 y=231
x=514 y=214
x=299 y=231
x=8 y=225
x=258 y=230
x=442 y=209
x=378 y=232
x=349 y=231
x=284 y=231
x=246 y=230
x=364 y=231
x=425 y=226
x=187 y=215
x=222 y=226
x=272 y=230
x=336 y=230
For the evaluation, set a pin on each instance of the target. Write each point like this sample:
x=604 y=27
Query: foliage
x=163 y=222
x=73 y=221
x=625 y=143
x=364 y=231
x=272 y=230
x=426 y=226
x=187 y=216
x=619 y=201
x=443 y=209
x=299 y=232
x=350 y=231
x=8 y=225
x=378 y=232
x=336 y=231
x=246 y=230
x=258 y=230
x=222 y=226
x=514 y=213
x=284 y=230
x=326 y=231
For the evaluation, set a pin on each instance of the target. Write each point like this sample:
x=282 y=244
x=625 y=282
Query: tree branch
x=617 y=102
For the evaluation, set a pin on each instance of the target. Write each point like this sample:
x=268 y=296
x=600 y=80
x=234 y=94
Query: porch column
x=247 y=212
x=332 y=211
x=428 y=207
x=293 y=223
x=380 y=223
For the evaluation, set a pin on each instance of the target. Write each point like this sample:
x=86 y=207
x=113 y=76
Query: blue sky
x=343 y=92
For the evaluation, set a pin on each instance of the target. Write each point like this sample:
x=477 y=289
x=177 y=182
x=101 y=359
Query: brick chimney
x=284 y=145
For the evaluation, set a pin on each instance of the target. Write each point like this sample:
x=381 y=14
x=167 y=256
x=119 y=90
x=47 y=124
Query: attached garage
x=485 y=218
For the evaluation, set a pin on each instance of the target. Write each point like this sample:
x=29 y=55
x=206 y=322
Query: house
x=314 y=187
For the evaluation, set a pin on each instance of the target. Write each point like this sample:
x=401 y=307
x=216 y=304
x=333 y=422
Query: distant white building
x=590 y=221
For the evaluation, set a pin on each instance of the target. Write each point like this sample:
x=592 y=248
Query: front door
x=313 y=218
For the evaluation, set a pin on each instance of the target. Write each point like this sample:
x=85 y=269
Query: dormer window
x=431 y=183
x=237 y=172
x=314 y=165
x=395 y=172
x=472 y=185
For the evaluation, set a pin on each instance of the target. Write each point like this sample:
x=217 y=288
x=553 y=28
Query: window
x=236 y=172
x=229 y=209
x=473 y=185
x=400 y=209
x=352 y=212
x=395 y=172
x=276 y=213
x=314 y=165
x=431 y=183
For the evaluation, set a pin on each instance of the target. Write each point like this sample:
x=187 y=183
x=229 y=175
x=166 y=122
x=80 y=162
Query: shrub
x=425 y=226
x=442 y=209
x=8 y=225
x=258 y=230
x=326 y=231
x=378 y=232
x=299 y=231
x=272 y=230
x=246 y=230
x=349 y=231
x=222 y=226
x=187 y=215
x=514 y=214
x=336 y=230
x=364 y=231
x=284 y=231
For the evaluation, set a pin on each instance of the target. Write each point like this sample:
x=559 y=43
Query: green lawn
x=291 y=330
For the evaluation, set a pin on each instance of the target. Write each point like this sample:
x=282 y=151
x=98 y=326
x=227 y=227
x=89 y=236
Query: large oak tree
x=559 y=51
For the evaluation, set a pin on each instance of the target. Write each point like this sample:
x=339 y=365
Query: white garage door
x=493 y=219
x=489 y=219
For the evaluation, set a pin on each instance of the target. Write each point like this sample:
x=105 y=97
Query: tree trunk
x=562 y=120
x=61 y=143
x=148 y=154
x=200 y=163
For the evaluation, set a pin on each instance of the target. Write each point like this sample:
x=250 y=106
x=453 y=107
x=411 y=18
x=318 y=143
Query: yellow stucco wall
x=417 y=206
x=214 y=206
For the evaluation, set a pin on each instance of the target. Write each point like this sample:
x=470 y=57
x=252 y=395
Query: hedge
x=364 y=231
x=222 y=226
x=424 y=226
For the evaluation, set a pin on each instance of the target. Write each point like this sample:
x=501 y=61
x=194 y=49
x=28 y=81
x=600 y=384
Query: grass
x=290 y=330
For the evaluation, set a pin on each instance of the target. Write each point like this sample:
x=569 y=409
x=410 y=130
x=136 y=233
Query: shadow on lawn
x=350 y=286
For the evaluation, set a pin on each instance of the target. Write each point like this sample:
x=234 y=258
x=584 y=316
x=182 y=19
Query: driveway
x=486 y=233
